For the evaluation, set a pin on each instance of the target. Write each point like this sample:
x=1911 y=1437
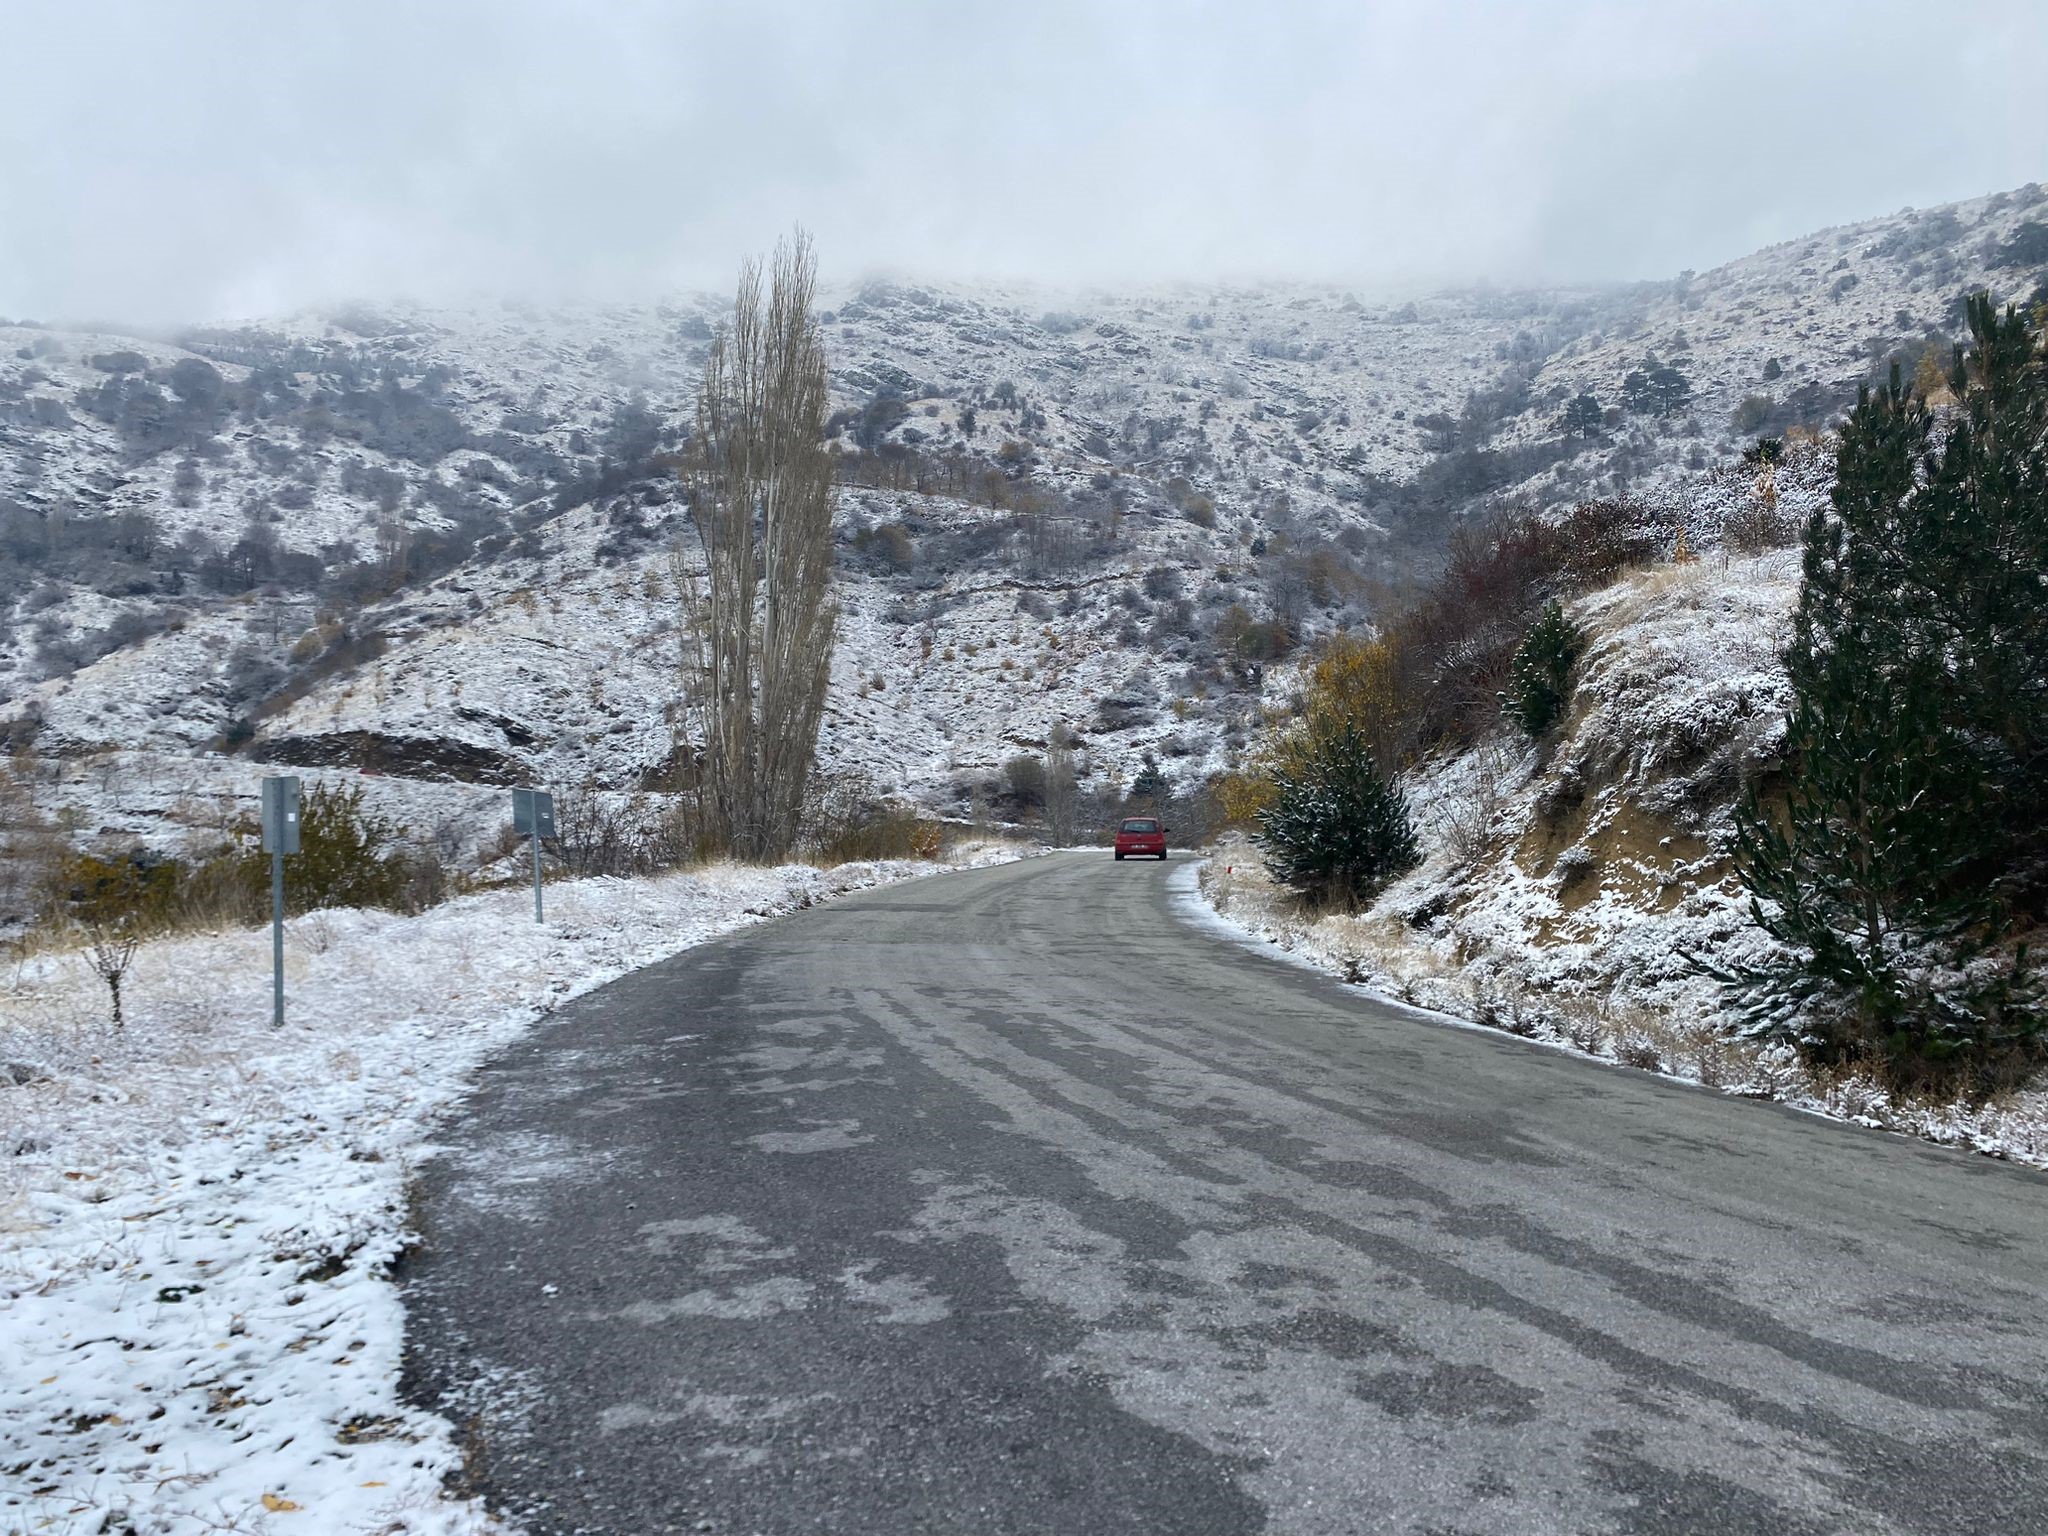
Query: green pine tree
x=1861 y=876
x=1541 y=678
x=1338 y=828
x=1980 y=552
x=1667 y=389
x=1149 y=787
x=1584 y=416
x=1907 y=855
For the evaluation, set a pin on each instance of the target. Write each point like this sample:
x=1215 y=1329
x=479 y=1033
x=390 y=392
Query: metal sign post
x=280 y=837
x=533 y=813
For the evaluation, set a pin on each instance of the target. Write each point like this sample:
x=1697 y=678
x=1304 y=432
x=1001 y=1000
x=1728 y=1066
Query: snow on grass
x=198 y=1212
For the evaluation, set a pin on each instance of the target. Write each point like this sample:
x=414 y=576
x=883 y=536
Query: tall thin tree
x=761 y=621
x=1062 y=788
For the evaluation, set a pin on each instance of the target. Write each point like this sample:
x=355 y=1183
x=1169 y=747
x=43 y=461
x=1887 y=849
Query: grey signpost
x=280 y=837
x=533 y=814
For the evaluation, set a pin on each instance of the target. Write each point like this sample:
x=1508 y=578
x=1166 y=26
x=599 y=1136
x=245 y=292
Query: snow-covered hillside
x=438 y=545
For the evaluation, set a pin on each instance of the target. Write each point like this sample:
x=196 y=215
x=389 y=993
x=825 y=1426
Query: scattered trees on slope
x=2027 y=246
x=1657 y=388
x=1443 y=659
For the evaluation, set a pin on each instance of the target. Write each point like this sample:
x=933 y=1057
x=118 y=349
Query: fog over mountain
x=163 y=163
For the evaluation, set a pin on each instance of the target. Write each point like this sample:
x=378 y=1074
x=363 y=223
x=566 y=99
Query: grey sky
x=164 y=161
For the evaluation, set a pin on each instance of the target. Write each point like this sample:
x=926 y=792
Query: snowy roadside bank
x=1232 y=894
x=197 y=1211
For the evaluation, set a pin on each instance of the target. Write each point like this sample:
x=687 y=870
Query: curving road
x=1010 y=1201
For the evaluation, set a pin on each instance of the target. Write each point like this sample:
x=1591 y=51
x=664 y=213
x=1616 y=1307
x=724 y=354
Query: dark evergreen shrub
x=1542 y=670
x=1337 y=829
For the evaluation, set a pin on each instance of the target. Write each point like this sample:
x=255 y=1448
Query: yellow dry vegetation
x=1241 y=794
x=1353 y=682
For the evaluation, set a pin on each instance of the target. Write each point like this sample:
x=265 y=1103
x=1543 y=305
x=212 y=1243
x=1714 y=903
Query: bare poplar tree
x=1062 y=791
x=760 y=623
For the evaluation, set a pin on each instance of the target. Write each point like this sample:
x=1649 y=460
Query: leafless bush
x=1465 y=819
x=31 y=848
x=110 y=950
x=1486 y=1007
x=591 y=836
x=313 y=933
x=1603 y=538
x=601 y=833
x=850 y=821
x=429 y=880
x=1049 y=540
x=1585 y=1026
x=1757 y=525
x=1025 y=776
x=445 y=839
x=1519 y=1015
x=1634 y=1049
x=1855 y=1089
x=506 y=841
x=1713 y=1055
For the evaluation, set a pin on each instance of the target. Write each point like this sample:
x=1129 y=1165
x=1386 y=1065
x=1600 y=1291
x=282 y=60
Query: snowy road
x=1011 y=1201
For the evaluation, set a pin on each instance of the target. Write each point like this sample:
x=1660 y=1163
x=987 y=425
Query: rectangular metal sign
x=281 y=814
x=533 y=813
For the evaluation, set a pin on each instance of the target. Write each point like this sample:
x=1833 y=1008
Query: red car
x=1141 y=835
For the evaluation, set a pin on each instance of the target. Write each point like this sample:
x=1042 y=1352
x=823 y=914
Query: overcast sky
x=174 y=161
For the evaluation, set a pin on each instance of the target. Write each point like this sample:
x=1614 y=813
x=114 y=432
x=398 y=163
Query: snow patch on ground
x=198 y=1213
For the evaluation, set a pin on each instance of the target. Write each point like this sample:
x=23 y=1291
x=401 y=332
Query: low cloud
x=180 y=162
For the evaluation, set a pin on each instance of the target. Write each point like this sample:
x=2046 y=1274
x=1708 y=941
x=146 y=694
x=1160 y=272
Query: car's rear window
x=1141 y=826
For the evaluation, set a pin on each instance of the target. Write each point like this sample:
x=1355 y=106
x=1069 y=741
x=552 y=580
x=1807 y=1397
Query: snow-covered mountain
x=439 y=545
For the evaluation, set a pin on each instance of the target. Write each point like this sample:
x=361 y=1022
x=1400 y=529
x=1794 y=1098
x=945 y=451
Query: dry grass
x=1653 y=589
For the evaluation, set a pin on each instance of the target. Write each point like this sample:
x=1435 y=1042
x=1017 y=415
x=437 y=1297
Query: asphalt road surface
x=1012 y=1201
